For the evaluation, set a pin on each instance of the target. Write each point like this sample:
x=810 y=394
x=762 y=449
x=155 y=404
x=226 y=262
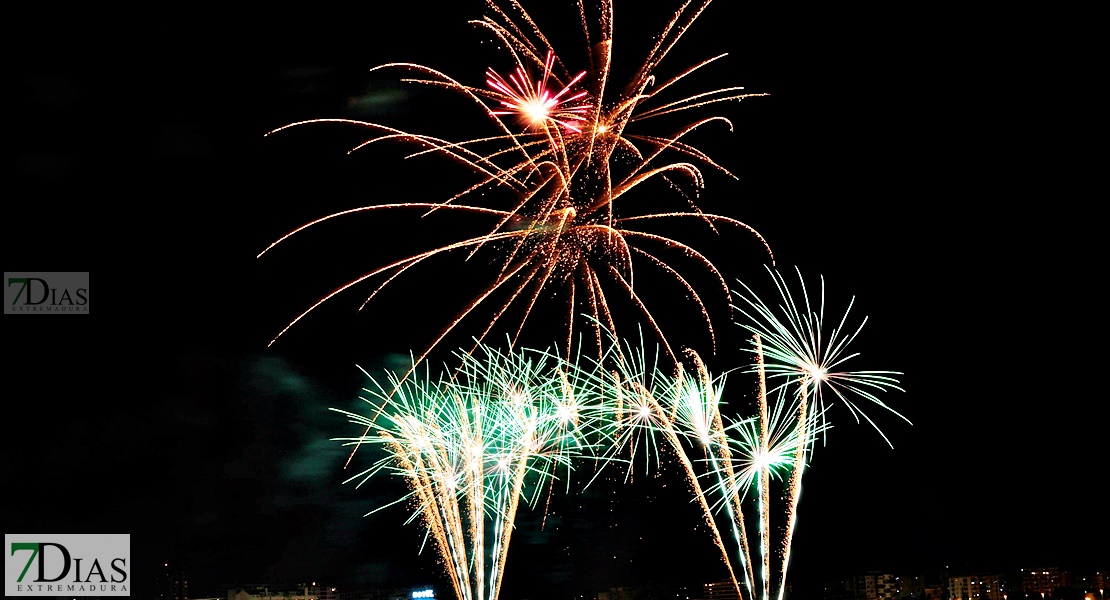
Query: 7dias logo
x=70 y=565
x=40 y=293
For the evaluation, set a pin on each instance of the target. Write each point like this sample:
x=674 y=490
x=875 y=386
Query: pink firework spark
x=534 y=103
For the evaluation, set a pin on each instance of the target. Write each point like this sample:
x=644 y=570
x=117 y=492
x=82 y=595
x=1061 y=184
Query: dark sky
x=902 y=156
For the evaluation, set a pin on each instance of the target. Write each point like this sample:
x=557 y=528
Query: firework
x=793 y=347
x=648 y=410
x=768 y=447
x=472 y=446
x=806 y=356
x=534 y=103
x=722 y=457
x=732 y=463
x=567 y=149
x=468 y=444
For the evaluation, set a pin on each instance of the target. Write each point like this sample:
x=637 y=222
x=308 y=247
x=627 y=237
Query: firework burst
x=471 y=447
x=733 y=464
x=466 y=443
x=806 y=356
x=564 y=154
x=794 y=348
x=535 y=104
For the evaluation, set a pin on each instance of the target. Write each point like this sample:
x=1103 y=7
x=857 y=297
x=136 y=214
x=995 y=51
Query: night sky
x=902 y=156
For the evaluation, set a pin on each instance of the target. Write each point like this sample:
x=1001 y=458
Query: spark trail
x=556 y=165
x=471 y=447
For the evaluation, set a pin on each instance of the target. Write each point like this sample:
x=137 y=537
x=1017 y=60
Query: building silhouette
x=975 y=587
x=1043 y=581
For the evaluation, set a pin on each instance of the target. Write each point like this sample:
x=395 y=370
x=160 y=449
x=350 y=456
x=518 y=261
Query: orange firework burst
x=569 y=231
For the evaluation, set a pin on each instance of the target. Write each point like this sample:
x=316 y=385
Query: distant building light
x=423 y=594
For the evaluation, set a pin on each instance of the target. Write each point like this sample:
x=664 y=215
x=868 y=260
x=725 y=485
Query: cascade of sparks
x=649 y=410
x=739 y=459
x=770 y=446
x=682 y=413
x=466 y=443
x=569 y=151
x=794 y=347
x=472 y=446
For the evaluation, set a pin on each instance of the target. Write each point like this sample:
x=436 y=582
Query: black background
x=928 y=162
